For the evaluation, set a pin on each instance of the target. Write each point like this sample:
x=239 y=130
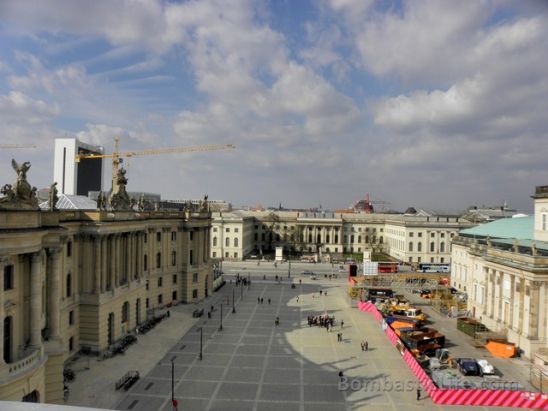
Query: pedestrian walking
x=341 y=375
x=325 y=293
x=418 y=394
x=321 y=292
x=300 y=281
x=366 y=346
x=262 y=300
x=297 y=298
x=258 y=300
x=269 y=301
x=342 y=324
x=339 y=337
x=363 y=345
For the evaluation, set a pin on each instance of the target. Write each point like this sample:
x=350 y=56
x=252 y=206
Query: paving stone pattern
x=254 y=365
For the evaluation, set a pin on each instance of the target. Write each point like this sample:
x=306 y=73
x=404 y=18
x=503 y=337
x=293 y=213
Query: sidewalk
x=95 y=387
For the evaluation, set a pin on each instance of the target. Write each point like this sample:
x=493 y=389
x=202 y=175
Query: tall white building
x=72 y=177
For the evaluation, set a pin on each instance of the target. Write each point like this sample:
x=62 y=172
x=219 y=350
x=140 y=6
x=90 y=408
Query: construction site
x=432 y=321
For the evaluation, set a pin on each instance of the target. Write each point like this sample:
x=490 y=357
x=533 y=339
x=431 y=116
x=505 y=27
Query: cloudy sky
x=439 y=104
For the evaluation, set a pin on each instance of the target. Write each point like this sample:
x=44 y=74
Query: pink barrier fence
x=473 y=397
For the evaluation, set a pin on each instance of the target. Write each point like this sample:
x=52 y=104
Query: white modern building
x=503 y=267
x=73 y=177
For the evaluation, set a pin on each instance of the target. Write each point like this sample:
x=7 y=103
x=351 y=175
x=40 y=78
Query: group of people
x=321 y=321
x=365 y=345
x=260 y=300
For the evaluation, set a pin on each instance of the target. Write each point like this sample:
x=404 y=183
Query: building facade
x=83 y=279
x=408 y=238
x=503 y=268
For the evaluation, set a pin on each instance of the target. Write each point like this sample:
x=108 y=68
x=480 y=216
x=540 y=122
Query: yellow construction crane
x=118 y=155
x=17 y=146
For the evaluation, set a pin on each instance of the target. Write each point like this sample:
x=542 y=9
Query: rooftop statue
x=53 y=198
x=20 y=195
x=101 y=201
x=119 y=200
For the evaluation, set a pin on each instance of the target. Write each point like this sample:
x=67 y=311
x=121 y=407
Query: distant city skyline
x=431 y=104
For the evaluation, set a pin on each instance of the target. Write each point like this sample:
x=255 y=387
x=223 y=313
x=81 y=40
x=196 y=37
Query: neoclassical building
x=410 y=238
x=503 y=267
x=82 y=279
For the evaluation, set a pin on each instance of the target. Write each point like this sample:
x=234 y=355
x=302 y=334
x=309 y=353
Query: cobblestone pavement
x=254 y=365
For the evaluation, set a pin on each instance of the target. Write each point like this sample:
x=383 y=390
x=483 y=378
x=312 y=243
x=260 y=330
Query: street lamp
x=233 y=308
x=221 y=326
x=289 y=270
x=201 y=356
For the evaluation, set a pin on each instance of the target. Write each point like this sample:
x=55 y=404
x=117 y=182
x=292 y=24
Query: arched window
x=125 y=312
x=69 y=284
x=158 y=260
x=227 y=242
x=359 y=238
x=352 y=238
x=432 y=247
x=215 y=241
x=235 y=242
x=309 y=238
x=419 y=247
x=442 y=247
x=410 y=246
x=380 y=239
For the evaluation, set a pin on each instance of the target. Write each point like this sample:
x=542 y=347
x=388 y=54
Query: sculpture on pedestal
x=119 y=199
x=21 y=195
x=53 y=198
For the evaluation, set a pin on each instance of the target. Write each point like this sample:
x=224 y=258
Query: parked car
x=468 y=366
x=485 y=367
x=308 y=273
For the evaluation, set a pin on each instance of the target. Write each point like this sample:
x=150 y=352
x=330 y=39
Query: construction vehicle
x=118 y=156
x=423 y=341
x=440 y=359
x=398 y=312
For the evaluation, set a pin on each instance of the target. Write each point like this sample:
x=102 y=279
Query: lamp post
x=233 y=308
x=201 y=356
x=289 y=270
x=221 y=326
x=173 y=384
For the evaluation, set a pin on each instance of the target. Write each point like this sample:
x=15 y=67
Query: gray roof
x=72 y=202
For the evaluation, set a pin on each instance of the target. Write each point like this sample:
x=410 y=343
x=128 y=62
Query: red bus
x=387 y=267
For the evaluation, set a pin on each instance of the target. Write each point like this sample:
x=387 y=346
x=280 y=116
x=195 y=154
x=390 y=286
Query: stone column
x=35 y=299
x=104 y=273
x=521 y=307
x=112 y=273
x=534 y=302
x=97 y=264
x=55 y=292
x=116 y=246
x=3 y=262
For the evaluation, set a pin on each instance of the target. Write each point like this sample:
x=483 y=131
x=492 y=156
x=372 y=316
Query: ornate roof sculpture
x=119 y=198
x=21 y=195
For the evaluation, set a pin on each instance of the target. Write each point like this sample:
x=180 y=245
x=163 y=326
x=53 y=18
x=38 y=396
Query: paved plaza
x=254 y=365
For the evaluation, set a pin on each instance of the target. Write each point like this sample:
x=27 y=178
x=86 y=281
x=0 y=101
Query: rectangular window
x=214 y=229
x=158 y=236
x=235 y=255
x=191 y=235
x=159 y=281
x=173 y=258
x=145 y=239
x=71 y=317
x=69 y=249
x=174 y=278
x=194 y=293
x=71 y=344
x=8 y=277
x=160 y=299
x=173 y=236
x=411 y=234
x=544 y=222
x=147 y=303
x=195 y=277
x=174 y=295
x=191 y=257
x=214 y=254
x=236 y=230
x=158 y=260
x=145 y=262
x=227 y=230
x=420 y=234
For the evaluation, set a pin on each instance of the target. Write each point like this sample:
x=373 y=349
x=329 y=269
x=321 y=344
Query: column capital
x=55 y=251
x=4 y=259
x=36 y=256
